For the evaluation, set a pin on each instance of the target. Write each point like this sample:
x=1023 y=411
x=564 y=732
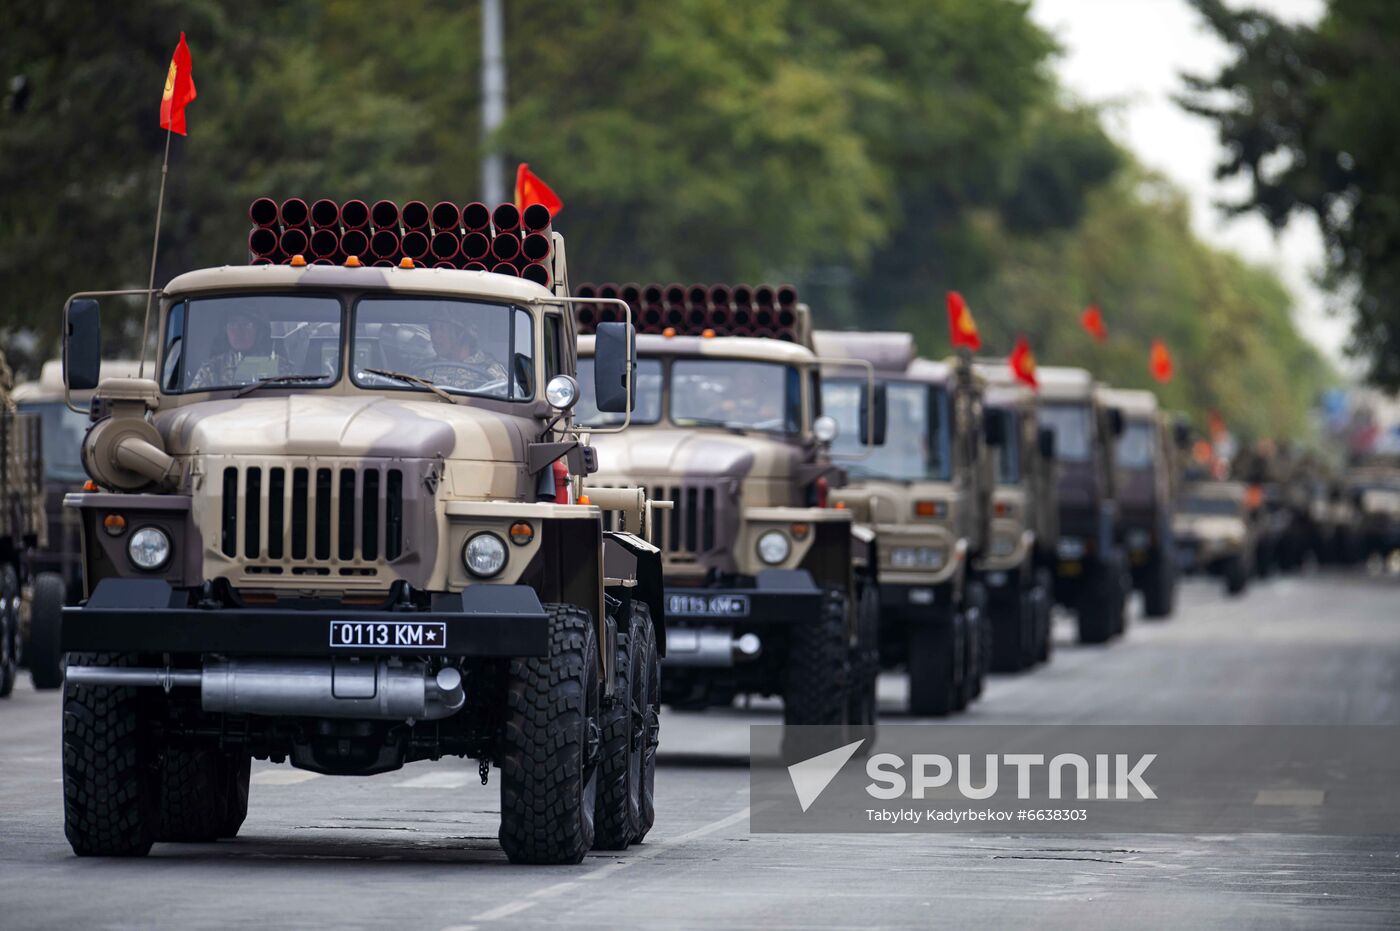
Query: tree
x=1305 y=114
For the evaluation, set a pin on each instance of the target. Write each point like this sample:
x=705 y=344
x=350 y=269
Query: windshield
x=226 y=342
x=916 y=442
x=1210 y=506
x=61 y=431
x=460 y=346
x=648 y=390
x=1007 y=456
x=1135 y=445
x=740 y=394
x=1073 y=432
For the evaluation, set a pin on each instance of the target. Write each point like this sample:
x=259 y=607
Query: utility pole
x=493 y=100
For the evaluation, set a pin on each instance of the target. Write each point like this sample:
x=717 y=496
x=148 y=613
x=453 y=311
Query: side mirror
x=993 y=427
x=82 y=344
x=880 y=414
x=1046 y=440
x=1115 y=421
x=614 y=349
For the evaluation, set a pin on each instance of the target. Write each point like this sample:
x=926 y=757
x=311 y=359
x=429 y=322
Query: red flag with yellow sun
x=961 y=326
x=179 y=89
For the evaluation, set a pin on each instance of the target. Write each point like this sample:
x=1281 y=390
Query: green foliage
x=1306 y=114
x=876 y=154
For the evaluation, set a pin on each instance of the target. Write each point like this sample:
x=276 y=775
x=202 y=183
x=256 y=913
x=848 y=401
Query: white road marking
x=1302 y=798
x=438 y=779
x=642 y=853
x=282 y=777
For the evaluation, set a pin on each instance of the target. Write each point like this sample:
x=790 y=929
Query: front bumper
x=778 y=596
x=149 y=616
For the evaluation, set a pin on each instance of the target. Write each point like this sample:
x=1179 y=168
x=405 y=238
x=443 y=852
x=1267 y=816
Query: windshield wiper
x=413 y=380
x=278 y=380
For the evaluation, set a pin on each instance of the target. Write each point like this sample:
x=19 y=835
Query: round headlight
x=484 y=555
x=773 y=547
x=826 y=428
x=561 y=392
x=149 y=548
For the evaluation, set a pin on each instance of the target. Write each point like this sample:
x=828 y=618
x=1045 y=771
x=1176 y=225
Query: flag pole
x=155 y=246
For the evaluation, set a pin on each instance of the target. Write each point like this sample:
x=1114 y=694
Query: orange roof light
x=840 y=505
x=352 y=261
x=298 y=261
x=583 y=499
x=405 y=262
x=89 y=485
x=707 y=334
x=669 y=332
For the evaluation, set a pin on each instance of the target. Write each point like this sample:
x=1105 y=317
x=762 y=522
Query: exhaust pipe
x=385 y=215
x=414 y=215
x=711 y=648
x=294 y=212
x=476 y=217
x=325 y=212
x=445 y=216
x=354 y=214
x=263 y=211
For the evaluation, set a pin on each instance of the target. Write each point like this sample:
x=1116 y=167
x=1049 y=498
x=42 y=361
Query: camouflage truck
x=1146 y=503
x=22 y=528
x=334 y=530
x=769 y=591
x=1091 y=575
x=1215 y=530
x=58 y=578
x=1374 y=484
x=1019 y=565
x=926 y=495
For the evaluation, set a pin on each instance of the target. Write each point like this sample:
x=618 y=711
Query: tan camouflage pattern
x=1218 y=536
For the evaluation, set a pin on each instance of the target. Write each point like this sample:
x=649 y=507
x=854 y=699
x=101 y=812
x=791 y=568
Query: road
x=417 y=848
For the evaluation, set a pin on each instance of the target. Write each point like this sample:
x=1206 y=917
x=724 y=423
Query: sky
x=1128 y=55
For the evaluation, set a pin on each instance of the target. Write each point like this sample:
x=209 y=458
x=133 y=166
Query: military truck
x=21 y=525
x=1215 y=532
x=1091 y=576
x=769 y=591
x=926 y=495
x=58 y=572
x=1374 y=484
x=336 y=529
x=1019 y=564
x=1145 y=497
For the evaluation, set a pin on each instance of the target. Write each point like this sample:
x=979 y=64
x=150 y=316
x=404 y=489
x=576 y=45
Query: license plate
x=408 y=635
x=707 y=605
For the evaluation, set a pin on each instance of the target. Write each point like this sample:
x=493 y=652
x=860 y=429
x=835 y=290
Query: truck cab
x=1214 y=527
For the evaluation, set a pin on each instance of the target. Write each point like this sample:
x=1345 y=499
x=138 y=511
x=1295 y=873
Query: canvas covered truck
x=58 y=566
x=769 y=591
x=1018 y=566
x=1091 y=573
x=1146 y=500
x=927 y=494
x=333 y=526
x=22 y=529
x=1215 y=530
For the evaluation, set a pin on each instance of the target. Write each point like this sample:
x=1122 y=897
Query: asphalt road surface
x=417 y=848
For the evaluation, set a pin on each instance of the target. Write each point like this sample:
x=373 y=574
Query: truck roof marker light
x=840 y=505
x=707 y=334
x=89 y=485
x=669 y=332
x=406 y=262
x=584 y=499
x=298 y=261
x=352 y=261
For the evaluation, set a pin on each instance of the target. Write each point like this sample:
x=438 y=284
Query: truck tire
x=1013 y=625
x=43 y=652
x=1236 y=576
x=931 y=666
x=199 y=789
x=110 y=794
x=818 y=666
x=9 y=629
x=979 y=644
x=1100 y=604
x=650 y=691
x=1159 y=594
x=549 y=745
x=617 y=816
x=863 y=707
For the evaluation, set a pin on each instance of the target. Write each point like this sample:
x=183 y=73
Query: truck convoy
x=335 y=528
x=21 y=526
x=1091 y=574
x=768 y=591
x=926 y=494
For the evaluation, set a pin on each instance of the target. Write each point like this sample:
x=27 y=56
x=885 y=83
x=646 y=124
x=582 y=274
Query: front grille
x=690 y=529
x=313 y=516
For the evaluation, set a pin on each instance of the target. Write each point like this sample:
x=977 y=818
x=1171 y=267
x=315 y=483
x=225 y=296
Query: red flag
x=179 y=89
x=1092 y=320
x=1023 y=362
x=530 y=189
x=1161 y=363
x=960 y=323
